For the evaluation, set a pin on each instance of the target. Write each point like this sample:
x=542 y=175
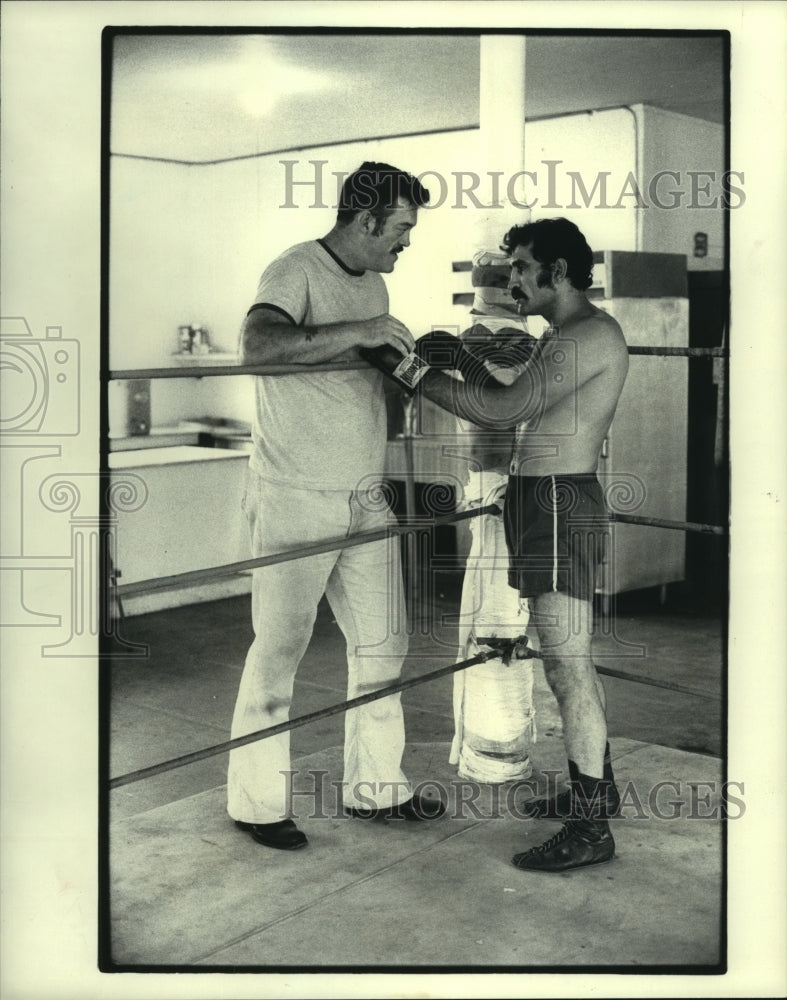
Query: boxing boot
x=578 y=843
x=583 y=840
x=559 y=806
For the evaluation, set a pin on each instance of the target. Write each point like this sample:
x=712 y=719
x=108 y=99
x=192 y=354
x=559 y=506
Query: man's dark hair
x=376 y=188
x=550 y=239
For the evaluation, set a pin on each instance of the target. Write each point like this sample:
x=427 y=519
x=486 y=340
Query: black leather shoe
x=418 y=808
x=415 y=809
x=284 y=835
x=577 y=844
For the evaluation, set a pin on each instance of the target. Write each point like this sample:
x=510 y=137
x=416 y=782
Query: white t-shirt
x=320 y=430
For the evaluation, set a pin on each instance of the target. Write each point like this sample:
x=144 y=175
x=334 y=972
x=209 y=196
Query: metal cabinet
x=643 y=463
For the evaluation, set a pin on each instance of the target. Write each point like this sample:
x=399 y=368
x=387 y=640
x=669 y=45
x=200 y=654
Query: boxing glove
x=477 y=358
x=501 y=355
x=441 y=350
x=482 y=342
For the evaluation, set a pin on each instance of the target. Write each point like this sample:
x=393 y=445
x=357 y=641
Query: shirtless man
x=562 y=406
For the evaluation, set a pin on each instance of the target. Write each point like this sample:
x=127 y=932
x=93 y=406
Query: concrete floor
x=188 y=890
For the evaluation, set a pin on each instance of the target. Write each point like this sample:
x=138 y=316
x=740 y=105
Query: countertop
x=222 y=433
x=171 y=456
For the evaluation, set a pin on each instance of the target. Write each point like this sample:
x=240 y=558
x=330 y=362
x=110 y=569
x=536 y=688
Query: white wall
x=188 y=243
x=678 y=143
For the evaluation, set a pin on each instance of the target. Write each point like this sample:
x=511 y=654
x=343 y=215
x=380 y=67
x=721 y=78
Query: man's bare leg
x=563 y=654
x=565 y=628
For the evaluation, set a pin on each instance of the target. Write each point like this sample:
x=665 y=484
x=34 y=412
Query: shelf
x=156 y=439
x=217 y=358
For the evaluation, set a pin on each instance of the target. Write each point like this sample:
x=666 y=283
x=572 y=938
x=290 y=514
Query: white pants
x=493 y=702
x=363 y=585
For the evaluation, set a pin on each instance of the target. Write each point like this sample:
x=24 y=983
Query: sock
x=592 y=797
x=608 y=775
x=573 y=770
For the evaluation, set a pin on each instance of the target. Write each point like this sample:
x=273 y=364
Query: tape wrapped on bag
x=493 y=702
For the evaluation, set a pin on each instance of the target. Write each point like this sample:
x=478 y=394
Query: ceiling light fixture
x=260 y=78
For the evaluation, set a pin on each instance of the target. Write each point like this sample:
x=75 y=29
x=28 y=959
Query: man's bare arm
x=545 y=383
x=268 y=339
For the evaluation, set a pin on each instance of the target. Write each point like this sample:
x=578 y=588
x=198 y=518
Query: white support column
x=502 y=136
x=493 y=703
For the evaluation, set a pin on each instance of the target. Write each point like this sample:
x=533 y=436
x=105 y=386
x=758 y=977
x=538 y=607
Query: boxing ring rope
x=404 y=527
x=330 y=545
x=307 y=550
x=660 y=522
x=365 y=699
x=681 y=352
x=230 y=569
x=212 y=371
x=283 y=727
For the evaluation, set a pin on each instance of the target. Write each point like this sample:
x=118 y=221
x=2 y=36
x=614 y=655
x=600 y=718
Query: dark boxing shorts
x=557 y=530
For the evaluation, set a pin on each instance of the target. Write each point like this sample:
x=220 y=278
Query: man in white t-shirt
x=314 y=474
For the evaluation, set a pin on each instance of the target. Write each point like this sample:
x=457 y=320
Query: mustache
x=517 y=293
